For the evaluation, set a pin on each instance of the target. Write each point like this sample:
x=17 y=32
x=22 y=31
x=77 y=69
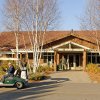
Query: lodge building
x=77 y=47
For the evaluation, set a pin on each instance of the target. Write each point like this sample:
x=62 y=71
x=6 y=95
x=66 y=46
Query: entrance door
x=71 y=59
x=77 y=60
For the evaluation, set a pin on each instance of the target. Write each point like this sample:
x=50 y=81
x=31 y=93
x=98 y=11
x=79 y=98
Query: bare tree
x=35 y=17
x=13 y=11
x=43 y=14
x=91 y=19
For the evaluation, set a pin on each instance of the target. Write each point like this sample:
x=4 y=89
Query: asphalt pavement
x=61 y=86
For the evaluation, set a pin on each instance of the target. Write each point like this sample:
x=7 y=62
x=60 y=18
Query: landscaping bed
x=95 y=77
x=94 y=72
x=42 y=73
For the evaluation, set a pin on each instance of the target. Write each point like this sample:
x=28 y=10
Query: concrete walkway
x=71 y=77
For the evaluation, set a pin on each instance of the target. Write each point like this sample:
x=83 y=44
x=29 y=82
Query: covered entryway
x=72 y=61
x=73 y=54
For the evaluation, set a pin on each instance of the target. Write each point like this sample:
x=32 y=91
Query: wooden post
x=55 y=60
x=12 y=55
x=84 y=60
x=74 y=61
x=21 y=56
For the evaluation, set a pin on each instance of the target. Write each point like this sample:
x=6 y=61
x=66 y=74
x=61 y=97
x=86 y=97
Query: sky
x=70 y=12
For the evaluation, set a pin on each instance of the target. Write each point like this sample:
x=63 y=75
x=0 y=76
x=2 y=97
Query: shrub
x=4 y=65
x=37 y=76
x=93 y=68
x=44 y=69
x=2 y=73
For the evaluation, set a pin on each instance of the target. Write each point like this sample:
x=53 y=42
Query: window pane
x=89 y=59
x=93 y=59
x=98 y=59
x=30 y=55
x=45 y=59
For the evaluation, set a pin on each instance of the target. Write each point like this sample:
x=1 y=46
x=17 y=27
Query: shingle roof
x=8 y=40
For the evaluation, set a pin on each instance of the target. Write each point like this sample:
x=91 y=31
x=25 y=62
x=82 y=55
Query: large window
x=93 y=58
x=30 y=55
x=9 y=55
x=48 y=57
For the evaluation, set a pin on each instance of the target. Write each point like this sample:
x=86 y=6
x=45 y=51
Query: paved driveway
x=71 y=77
x=61 y=86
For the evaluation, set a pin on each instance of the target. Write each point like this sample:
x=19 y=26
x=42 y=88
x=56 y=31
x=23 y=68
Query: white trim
x=94 y=51
x=60 y=49
x=8 y=59
x=84 y=47
x=6 y=52
x=29 y=50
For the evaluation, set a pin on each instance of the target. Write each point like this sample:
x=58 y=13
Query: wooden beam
x=84 y=60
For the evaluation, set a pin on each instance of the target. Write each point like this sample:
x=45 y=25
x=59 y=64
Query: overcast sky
x=70 y=11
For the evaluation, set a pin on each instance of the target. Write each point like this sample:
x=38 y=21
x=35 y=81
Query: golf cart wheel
x=19 y=85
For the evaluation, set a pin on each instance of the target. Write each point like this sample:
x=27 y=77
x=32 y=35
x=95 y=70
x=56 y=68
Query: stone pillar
x=84 y=60
x=55 y=60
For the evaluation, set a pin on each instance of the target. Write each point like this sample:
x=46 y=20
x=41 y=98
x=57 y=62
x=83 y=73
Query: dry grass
x=94 y=72
x=95 y=77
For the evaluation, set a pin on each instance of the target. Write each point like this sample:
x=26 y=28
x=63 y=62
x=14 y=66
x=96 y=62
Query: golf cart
x=15 y=81
x=18 y=81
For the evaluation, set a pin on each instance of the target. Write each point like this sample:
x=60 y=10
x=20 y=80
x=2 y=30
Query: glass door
x=71 y=59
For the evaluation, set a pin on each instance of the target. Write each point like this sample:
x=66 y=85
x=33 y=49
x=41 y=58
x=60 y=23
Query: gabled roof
x=7 y=39
x=85 y=35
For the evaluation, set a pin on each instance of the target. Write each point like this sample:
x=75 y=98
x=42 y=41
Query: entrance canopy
x=70 y=46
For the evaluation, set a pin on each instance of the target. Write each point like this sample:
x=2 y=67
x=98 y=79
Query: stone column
x=55 y=60
x=84 y=60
